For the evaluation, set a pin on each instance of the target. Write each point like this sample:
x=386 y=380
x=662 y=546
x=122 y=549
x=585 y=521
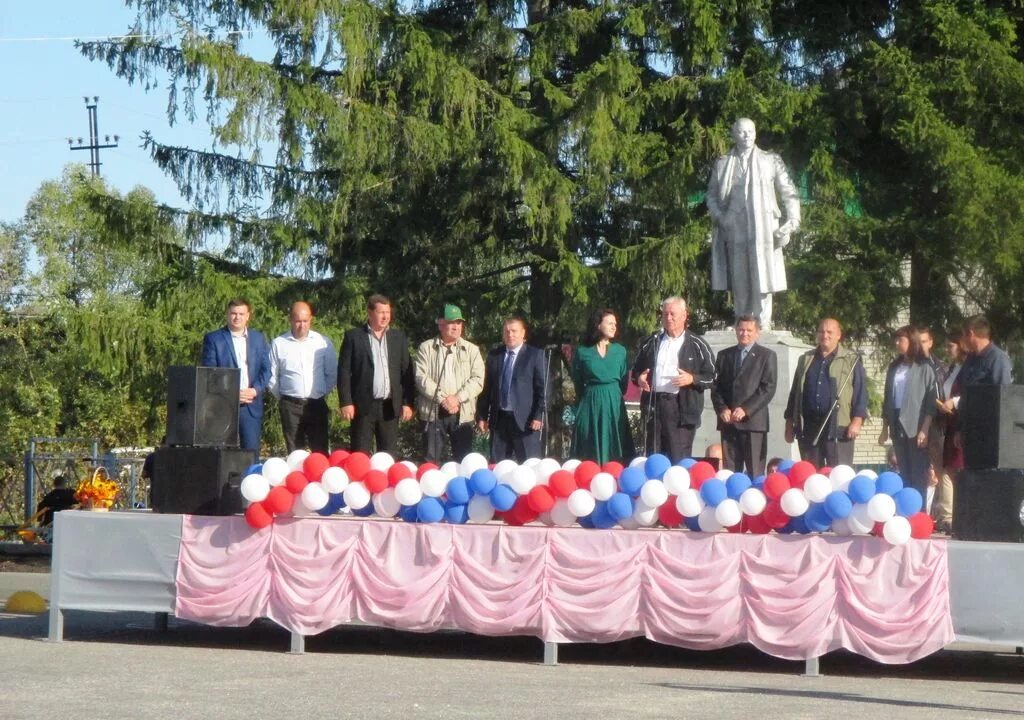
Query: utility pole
x=94 y=145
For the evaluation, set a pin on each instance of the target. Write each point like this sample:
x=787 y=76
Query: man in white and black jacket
x=673 y=369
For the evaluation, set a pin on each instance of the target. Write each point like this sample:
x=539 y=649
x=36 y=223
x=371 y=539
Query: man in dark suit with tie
x=512 y=403
x=745 y=383
x=375 y=379
x=237 y=346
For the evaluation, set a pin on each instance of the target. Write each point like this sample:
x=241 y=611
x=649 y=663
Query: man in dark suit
x=745 y=380
x=673 y=369
x=512 y=403
x=375 y=380
x=237 y=346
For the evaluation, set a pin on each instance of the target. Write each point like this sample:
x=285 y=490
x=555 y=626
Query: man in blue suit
x=512 y=403
x=223 y=348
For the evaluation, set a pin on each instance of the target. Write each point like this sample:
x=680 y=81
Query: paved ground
x=115 y=666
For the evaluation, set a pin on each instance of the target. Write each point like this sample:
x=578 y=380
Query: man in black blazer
x=375 y=381
x=673 y=369
x=746 y=376
x=512 y=403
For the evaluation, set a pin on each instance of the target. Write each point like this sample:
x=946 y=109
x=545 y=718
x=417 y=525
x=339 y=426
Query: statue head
x=744 y=133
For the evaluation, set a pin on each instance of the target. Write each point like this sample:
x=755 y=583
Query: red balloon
x=397 y=472
x=540 y=499
x=776 y=484
x=295 y=482
x=774 y=516
x=921 y=525
x=826 y=471
x=737 y=528
x=338 y=458
x=700 y=472
x=314 y=466
x=585 y=472
x=613 y=468
x=799 y=473
x=669 y=515
x=424 y=467
x=258 y=516
x=279 y=500
x=756 y=524
x=375 y=481
x=878 y=530
x=521 y=513
x=562 y=483
x=356 y=465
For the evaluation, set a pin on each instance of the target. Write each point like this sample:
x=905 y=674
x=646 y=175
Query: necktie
x=506 y=379
x=740 y=358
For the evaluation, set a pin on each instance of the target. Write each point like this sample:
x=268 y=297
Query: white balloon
x=356 y=496
x=480 y=509
x=753 y=502
x=385 y=503
x=581 y=502
x=794 y=503
x=334 y=480
x=629 y=523
x=522 y=479
x=473 y=462
x=412 y=466
x=603 y=486
x=676 y=479
x=314 y=497
x=531 y=462
x=817 y=487
x=881 y=507
x=503 y=468
x=638 y=461
x=841 y=476
x=728 y=513
x=723 y=474
x=451 y=469
x=653 y=493
x=571 y=464
x=896 y=530
x=708 y=522
x=296 y=458
x=869 y=473
x=254 y=487
x=841 y=526
x=434 y=483
x=644 y=514
x=544 y=518
x=381 y=461
x=545 y=469
x=689 y=503
x=561 y=515
x=408 y=491
x=275 y=470
x=859 y=520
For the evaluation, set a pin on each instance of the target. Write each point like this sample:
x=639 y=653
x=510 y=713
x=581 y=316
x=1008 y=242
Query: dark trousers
x=508 y=441
x=448 y=428
x=376 y=421
x=744 y=450
x=664 y=433
x=250 y=428
x=913 y=461
x=304 y=422
x=827 y=453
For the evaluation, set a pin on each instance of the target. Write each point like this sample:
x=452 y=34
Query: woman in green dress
x=600 y=373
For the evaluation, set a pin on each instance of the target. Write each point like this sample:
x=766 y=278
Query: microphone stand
x=651 y=411
x=835 y=403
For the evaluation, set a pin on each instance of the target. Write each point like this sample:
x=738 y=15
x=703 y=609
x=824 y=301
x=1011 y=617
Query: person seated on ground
x=60 y=498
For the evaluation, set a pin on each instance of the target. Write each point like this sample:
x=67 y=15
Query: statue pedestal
x=788 y=348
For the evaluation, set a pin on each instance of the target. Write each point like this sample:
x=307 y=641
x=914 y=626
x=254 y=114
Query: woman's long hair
x=915 y=353
x=593 y=335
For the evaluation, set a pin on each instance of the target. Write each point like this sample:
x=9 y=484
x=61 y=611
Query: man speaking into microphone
x=449 y=374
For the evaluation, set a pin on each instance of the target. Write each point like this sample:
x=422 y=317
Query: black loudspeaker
x=987 y=505
x=199 y=480
x=202 y=406
x=992 y=426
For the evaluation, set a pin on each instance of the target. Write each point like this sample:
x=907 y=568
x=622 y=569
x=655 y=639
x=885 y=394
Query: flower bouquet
x=97 y=492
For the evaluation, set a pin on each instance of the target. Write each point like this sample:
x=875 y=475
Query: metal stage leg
x=298 y=644
x=550 y=653
x=56 y=632
x=811 y=667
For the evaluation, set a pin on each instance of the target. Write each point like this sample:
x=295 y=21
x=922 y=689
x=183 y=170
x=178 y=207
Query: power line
x=94 y=145
x=72 y=38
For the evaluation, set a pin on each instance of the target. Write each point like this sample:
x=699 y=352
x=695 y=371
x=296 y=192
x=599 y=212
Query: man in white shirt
x=303 y=369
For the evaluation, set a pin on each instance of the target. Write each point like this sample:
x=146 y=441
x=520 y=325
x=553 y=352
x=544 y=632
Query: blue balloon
x=620 y=506
x=713 y=491
x=817 y=518
x=458 y=490
x=785 y=465
x=862 y=489
x=456 y=513
x=586 y=521
x=255 y=469
x=502 y=496
x=797 y=524
x=429 y=510
x=737 y=483
x=327 y=510
x=687 y=463
x=601 y=517
x=889 y=483
x=408 y=513
x=758 y=482
x=908 y=501
x=482 y=481
x=656 y=466
x=692 y=523
x=631 y=480
x=366 y=511
x=335 y=502
x=838 y=505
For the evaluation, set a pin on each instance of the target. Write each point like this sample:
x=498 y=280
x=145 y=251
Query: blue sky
x=44 y=81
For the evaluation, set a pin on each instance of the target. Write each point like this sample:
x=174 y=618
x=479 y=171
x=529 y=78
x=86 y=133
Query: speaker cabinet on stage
x=199 y=480
x=202 y=406
x=987 y=505
x=992 y=426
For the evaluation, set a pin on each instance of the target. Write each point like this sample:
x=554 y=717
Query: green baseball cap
x=452 y=313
